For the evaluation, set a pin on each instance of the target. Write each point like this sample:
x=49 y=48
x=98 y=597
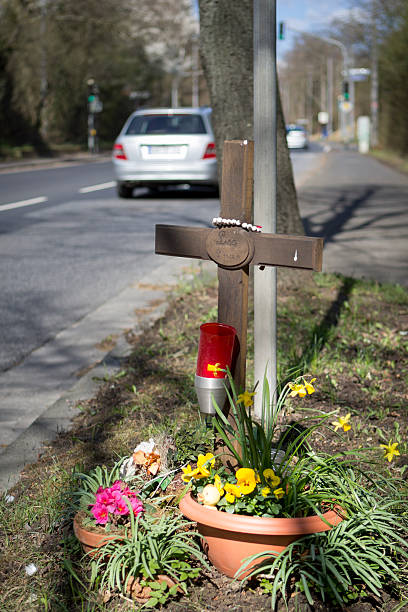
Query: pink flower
x=121 y=507
x=116 y=496
x=100 y=513
x=113 y=501
x=137 y=506
x=118 y=485
x=105 y=497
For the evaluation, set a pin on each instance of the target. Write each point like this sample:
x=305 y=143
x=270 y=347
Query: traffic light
x=346 y=95
x=91 y=98
x=281 y=30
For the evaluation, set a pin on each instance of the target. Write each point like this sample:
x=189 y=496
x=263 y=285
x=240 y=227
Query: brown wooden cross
x=234 y=248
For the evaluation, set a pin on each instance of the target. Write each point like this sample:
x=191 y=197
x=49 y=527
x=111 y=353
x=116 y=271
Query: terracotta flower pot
x=90 y=540
x=229 y=538
x=143 y=594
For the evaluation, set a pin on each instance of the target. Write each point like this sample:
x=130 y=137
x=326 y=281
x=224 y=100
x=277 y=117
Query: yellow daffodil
x=309 y=387
x=271 y=478
x=279 y=493
x=246 y=398
x=265 y=491
x=218 y=484
x=205 y=463
x=342 y=422
x=214 y=367
x=246 y=480
x=297 y=389
x=390 y=450
x=231 y=492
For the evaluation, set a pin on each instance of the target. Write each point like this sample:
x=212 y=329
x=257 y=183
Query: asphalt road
x=359 y=206
x=63 y=257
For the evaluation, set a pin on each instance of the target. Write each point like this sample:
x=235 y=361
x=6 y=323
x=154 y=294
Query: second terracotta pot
x=229 y=538
x=90 y=540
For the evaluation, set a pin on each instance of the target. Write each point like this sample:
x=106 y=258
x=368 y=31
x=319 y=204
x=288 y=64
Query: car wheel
x=124 y=191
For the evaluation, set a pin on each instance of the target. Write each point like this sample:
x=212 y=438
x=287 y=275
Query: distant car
x=296 y=137
x=165 y=146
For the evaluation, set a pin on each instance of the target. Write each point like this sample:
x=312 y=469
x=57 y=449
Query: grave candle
x=215 y=353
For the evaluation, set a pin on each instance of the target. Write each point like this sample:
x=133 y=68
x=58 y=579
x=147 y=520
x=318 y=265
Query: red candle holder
x=215 y=349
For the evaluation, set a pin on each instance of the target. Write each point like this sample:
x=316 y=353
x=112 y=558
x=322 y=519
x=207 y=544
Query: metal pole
x=353 y=102
x=174 y=90
x=330 y=94
x=265 y=189
x=374 y=80
x=195 y=95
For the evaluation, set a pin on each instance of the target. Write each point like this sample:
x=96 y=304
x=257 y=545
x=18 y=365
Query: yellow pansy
x=271 y=477
x=218 y=484
x=342 y=422
x=189 y=473
x=232 y=491
x=246 y=398
x=390 y=450
x=265 y=491
x=279 y=493
x=205 y=463
x=246 y=480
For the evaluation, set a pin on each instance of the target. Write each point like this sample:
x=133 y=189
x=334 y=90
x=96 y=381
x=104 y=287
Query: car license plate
x=165 y=150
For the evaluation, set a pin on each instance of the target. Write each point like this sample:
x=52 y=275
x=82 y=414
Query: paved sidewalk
x=360 y=207
x=136 y=308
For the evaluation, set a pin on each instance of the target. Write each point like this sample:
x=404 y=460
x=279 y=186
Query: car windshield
x=166 y=124
x=295 y=129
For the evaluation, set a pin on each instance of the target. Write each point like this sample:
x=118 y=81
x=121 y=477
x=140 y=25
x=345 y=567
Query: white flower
x=145 y=447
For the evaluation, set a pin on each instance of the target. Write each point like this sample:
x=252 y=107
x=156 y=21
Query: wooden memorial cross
x=234 y=248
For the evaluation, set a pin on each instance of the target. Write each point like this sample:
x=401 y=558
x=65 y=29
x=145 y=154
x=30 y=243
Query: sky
x=307 y=16
x=304 y=15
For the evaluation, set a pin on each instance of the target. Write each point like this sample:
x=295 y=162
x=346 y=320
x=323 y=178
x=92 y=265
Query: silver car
x=165 y=146
x=296 y=137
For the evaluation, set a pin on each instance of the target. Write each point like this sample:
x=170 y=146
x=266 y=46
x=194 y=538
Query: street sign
x=323 y=117
x=95 y=105
x=346 y=107
x=143 y=95
x=357 y=74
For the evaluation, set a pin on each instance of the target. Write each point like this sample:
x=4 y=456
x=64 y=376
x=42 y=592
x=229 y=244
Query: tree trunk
x=226 y=47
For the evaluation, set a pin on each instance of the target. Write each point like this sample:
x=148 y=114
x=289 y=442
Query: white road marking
x=97 y=187
x=23 y=203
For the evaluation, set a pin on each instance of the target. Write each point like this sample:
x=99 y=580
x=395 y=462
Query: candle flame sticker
x=214 y=367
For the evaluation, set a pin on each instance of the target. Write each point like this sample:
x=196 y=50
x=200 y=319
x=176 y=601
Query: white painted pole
x=265 y=188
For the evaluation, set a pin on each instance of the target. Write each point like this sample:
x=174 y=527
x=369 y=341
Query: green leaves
x=156 y=545
x=360 y=555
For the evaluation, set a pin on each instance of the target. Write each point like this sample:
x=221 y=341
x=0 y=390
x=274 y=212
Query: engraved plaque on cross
x=233 y=249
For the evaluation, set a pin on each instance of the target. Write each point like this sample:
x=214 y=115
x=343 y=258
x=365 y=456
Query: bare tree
x=226 y=45
x=167 y=28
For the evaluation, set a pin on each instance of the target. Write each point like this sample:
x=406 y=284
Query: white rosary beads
x=221 y=222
